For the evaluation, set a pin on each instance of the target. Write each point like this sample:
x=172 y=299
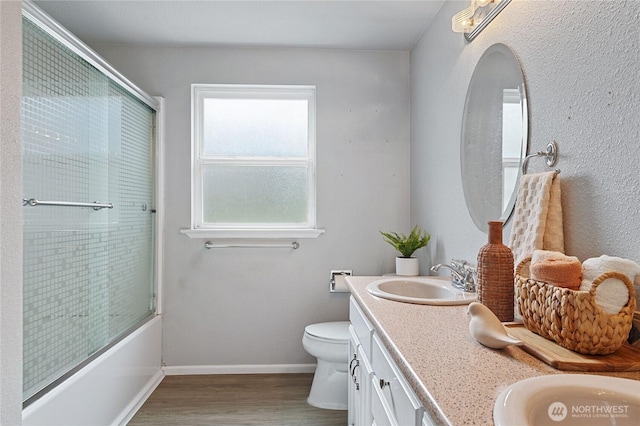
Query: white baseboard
x=183 y=370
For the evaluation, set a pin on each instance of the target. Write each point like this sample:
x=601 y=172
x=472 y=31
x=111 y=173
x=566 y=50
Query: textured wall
x=10 y=214
x=250 y=306
x=582 y=69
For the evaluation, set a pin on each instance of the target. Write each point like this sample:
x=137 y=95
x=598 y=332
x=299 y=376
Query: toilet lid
x=338 y=330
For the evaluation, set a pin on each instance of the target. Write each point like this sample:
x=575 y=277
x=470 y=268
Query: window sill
x=252 y=233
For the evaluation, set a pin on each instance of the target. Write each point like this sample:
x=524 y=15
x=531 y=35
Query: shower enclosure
x=88 y=178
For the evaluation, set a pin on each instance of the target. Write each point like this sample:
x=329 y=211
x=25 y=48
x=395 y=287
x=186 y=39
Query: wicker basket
x=572 y=318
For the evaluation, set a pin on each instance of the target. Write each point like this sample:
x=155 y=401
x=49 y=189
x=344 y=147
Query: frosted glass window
x=252 y=127
x=255 y=194
x=254 y=156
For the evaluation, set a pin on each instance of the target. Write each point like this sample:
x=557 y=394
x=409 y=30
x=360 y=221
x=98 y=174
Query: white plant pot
x=407 y=266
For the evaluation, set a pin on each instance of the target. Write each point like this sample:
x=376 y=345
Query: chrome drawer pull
x=353 y=372
x=354 y=359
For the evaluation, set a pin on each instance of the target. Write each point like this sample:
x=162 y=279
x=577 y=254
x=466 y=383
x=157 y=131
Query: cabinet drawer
x=361 y=325
x=393 y=387
x=382 y=413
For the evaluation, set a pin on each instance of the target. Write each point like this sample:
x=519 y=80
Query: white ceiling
x=395 y=25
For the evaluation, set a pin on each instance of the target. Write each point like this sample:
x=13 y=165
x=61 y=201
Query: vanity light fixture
x=474 y=18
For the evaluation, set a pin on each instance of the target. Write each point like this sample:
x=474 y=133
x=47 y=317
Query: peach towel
x=556 y=268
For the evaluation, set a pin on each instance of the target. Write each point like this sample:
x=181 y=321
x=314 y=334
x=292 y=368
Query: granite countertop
x=456 y=379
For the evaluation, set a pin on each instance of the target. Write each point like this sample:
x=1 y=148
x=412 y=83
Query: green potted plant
x=406 y=245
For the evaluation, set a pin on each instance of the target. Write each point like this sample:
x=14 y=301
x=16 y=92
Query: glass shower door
x=88 y=269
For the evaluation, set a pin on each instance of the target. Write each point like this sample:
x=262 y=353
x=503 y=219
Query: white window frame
x=200 y=229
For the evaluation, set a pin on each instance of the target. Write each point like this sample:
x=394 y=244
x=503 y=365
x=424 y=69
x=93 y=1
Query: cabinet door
x=359 y=387
x=354 y=391
x=366 y=372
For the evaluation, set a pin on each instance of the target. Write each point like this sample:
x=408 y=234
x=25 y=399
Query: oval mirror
x=494 y=136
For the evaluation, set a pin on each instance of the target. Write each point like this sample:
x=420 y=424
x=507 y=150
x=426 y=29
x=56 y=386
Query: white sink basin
x=569 y=399
x=420 y=290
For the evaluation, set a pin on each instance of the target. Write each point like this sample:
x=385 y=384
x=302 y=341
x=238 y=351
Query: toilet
x=329 y=343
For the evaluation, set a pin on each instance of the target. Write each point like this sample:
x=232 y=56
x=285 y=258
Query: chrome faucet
x=463 y=275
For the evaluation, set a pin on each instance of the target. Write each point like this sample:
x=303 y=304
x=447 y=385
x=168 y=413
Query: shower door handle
x=96 y=205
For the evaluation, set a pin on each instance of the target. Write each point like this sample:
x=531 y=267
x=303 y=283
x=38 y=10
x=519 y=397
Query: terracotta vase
x=495 y=284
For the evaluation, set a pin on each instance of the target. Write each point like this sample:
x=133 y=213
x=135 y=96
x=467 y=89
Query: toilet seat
x=331 y=332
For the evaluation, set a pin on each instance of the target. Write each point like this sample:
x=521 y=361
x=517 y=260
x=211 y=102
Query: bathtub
x=110 y=389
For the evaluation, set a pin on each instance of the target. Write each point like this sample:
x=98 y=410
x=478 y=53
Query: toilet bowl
x=329 y=343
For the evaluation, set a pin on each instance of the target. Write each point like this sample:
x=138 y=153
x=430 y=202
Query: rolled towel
x=612 y=294
x=544 y=255
x=592 y=268
x=556 y=268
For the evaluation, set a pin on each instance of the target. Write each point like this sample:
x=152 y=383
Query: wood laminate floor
x=238 y=399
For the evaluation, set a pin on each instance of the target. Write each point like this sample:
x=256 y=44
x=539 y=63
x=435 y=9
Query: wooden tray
x=627 y=358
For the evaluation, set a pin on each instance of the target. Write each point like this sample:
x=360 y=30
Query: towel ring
x=550 y=155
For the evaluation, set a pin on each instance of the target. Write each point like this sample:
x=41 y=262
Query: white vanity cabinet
x=378 y=392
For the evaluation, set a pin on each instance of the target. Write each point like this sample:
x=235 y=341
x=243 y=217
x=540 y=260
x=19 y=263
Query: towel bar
x=210 y=244
x=550 y=155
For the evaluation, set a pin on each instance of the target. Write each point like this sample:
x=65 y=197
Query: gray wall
x=581 y=65
x=250 y=306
